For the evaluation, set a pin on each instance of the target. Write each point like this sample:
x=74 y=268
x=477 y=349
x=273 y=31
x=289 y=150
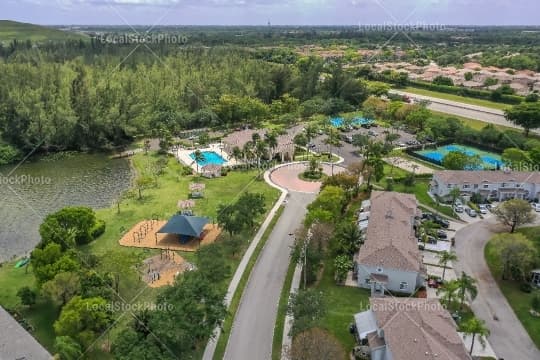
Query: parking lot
x=349 y=152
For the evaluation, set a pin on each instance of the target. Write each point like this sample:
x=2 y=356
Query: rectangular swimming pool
x=210 y=157
x=489 y=160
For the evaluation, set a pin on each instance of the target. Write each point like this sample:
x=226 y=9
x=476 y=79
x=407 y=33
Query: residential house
x=406 y=329
x=16 y=342
x=389 y=259
x=492 y=185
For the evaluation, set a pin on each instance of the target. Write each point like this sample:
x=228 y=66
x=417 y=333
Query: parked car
x=431 y=240
x=372 y=133
x=471 y=212
x=443 y=222
x=458 y=208
x=441 y=234
x=483 y=209
x=536 y=207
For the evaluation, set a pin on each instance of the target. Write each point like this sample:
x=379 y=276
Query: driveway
x=508 y=337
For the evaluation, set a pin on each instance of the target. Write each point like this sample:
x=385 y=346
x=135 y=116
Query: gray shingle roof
x=16 y=342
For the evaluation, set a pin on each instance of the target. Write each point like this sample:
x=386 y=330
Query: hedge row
x=473 y=93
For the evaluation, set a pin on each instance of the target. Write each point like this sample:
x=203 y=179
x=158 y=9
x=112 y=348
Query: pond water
x=41 y=186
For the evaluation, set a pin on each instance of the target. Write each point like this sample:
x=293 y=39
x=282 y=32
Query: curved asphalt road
x=508 y=337
x=253 y=328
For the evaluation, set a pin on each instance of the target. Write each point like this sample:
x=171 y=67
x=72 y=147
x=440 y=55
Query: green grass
x=160 y=201
x=11 y=30
x=462 y=99
x=518 y=300
x=40 y=316
x=235 y=301
x=473 y=123
x=342 y=303
x=277 y=340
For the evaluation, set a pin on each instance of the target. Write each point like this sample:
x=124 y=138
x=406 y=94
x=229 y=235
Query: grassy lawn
x=160 y=201
x=41 y=316
x=342 y=303
x=419 y=189
x=519 y=300
x=235 y=301
x=451 y=97
x=473 y=123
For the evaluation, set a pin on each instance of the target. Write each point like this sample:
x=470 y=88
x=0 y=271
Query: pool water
x=489 y=160
x=338 y=121
x=210 y=157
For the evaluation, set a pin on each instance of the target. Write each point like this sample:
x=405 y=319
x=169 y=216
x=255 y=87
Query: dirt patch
x=161 y=270
x=144 y=235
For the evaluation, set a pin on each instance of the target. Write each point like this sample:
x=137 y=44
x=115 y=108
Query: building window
x=517 y=185
x=466 y=186
x=449 y=186
x=486 y=186
x=476 y=186
x=403 y=285
x=503 y=185
x=368 y=281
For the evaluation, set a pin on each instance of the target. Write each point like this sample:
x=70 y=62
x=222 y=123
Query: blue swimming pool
x=210 y=157
x=489 y=160
x=338 y=121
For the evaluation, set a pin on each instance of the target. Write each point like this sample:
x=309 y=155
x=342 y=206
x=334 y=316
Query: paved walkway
x=508 y=337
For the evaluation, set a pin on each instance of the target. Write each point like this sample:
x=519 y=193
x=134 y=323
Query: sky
x=278 y=12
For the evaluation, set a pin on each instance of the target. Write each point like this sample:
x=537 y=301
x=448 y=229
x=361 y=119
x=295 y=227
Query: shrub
x=535 y=303
x=525 y=287
x=27 y=296
x=98 y=229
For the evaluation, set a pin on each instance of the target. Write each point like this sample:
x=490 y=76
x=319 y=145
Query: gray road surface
x=253 y=327
x=489 y=115
x=508 y=337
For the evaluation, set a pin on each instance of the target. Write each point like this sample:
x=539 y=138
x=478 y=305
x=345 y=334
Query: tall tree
x=526 y=115
x=514 y=213
x=476 y=328
x=467 y=285
x=444 y=258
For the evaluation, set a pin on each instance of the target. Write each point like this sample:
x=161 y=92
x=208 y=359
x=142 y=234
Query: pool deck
x=183 y=156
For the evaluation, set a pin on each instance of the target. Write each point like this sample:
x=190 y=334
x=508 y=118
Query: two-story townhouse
x=492 y=185
x=389 y=259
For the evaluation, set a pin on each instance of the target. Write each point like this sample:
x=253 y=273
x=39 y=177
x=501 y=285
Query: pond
x=41 y=186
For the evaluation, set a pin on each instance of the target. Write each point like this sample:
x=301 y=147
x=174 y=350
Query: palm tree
x=332 y=141
x=467 y=284
x=198 y=157
x=348 y=238
x=444 y=258
x=260 y=151
x=236 y=153
x=454 y=194
x=448 y=293
x=271 y=141
x=247 y=151
x=475 y=327
x=300 y=140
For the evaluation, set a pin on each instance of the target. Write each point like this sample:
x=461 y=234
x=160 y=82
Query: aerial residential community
x=284 y=180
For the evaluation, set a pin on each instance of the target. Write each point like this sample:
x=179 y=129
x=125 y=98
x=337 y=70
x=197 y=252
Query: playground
x=145 y=235
x=161 y=270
